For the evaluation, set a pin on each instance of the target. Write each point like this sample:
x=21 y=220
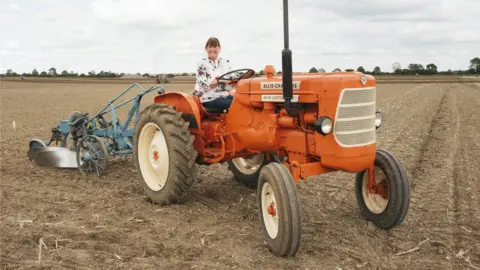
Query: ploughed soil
x=107 y=222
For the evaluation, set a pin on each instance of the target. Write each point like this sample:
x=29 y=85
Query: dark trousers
x=222 y=103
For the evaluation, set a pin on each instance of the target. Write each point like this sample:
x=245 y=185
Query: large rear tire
x=387 y=207
x=164 y=154
x=247 y=170
x=279 y=210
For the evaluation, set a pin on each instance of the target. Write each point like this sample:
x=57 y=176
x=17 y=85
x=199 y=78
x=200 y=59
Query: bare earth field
x=90 y=223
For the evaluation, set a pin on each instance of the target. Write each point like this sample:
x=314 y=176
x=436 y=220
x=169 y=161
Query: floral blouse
x=207 y=72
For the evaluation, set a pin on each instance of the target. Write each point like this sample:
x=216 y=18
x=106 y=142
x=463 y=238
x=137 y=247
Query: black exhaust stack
x=287 y=79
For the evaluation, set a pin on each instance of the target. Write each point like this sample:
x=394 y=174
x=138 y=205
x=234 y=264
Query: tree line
x=52 y=72
x=413 y=69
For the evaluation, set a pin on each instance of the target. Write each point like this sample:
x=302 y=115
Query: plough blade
x=34 y=146
x=54 y=157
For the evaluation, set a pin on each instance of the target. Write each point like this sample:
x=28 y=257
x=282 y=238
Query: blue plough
x=93 y=139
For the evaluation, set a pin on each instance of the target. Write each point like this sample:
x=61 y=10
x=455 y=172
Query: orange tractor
x=278 y=130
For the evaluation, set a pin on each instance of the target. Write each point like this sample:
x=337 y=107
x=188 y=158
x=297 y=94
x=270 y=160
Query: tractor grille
x=355 y=119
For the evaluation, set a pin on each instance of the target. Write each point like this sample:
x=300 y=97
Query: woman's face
x=213 y=52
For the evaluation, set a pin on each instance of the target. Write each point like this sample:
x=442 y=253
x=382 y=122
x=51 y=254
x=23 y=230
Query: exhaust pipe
x=287 y=80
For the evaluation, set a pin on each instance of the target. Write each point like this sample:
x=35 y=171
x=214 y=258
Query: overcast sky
x=157 y=36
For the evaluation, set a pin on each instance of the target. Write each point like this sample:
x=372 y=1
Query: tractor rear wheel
x=164 y=154
x=388 y=205
x=279 y=210
x=247 y=170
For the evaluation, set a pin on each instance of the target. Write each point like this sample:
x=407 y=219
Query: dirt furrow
x=467 y=177
x=436 y=187
x=409 y=115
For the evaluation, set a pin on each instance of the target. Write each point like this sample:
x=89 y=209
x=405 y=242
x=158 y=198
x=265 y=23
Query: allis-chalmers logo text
x=278 y=85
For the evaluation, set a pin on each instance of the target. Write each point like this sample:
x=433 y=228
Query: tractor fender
x=185 y=103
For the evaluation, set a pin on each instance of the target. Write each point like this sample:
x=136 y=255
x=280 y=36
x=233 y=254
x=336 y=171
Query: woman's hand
x=214 y=84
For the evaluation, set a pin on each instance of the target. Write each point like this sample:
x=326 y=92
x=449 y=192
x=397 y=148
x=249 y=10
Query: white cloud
x=14 y=7
x=152 y=12
x=12 y=45
x=169 y=36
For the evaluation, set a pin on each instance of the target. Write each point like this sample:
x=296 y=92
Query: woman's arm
x=202 y=77
x=205 y=79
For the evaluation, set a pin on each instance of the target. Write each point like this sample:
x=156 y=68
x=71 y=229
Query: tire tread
x=282 y=182
x=181 y=153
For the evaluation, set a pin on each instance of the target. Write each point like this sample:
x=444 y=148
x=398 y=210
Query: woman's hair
x=212 y=42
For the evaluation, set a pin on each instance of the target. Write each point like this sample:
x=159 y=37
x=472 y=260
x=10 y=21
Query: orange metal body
x=252 y=126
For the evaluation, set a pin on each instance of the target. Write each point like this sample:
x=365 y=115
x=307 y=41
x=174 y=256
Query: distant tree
x=313 y=70
x=431 y=68
x=416 y=68
x=396 y=67
x=361 y=69
x=413 y=67
x=52 y=71
x=337 y=70
x=9 y=72
x=261 y=72
x=64 y=73
x=475 y=65
x=321 y=70
x=377 y=70
x=43 y=74
x=349 y=70
x=34 y=72
x=146 y=75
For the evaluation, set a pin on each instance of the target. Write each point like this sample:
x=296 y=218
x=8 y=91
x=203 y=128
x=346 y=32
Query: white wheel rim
x=153 y=156
x=268 y=201
x=374 y=202
x=249 y=165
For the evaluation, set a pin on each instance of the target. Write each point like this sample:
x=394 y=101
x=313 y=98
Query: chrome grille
x=355 y=118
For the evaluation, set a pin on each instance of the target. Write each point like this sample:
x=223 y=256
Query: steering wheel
x=229 y=77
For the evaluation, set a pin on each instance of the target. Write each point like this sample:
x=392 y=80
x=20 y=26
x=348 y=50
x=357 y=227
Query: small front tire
x=279 y=210
x=388 y=206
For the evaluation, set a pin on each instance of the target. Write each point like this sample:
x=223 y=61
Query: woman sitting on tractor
x=211 y=93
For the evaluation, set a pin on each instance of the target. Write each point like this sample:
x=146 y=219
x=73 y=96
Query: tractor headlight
x=324 y=125
x=378 y=119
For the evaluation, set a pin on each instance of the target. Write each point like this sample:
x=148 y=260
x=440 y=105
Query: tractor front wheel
x=247 y=170
x=387 y=203
x=164 y=154
x=279 y=210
